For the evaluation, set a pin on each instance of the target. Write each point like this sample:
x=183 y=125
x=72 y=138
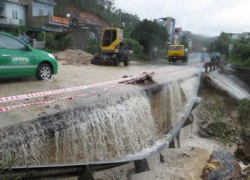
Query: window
x=40 y=12
x=109 y=37
x=176 y=47
x=49 y=13
x=14 y=14
x=10 y=43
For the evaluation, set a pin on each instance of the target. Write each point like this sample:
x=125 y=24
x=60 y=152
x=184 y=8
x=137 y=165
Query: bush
x=93 y=46
x=50 y=41
x=63 y=43
x=60 y=44
x=244 y=111
x=41 y=36
x=135 y=47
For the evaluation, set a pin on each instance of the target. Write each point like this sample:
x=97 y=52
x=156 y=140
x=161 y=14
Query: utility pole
x=119 y=18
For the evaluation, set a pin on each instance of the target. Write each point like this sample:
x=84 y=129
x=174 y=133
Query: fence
x=38 y=44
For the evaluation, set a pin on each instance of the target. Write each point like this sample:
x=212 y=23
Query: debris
x=162 y=160
x=246 y=170
x=57 y=106
x=74 y=57
x=144 y=78
x=222 y=165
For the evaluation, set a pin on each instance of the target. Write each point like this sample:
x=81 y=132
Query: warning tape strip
x=59 y=91
x=12 y=98
x=9 y=108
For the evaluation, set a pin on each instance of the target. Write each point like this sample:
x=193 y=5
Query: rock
x=243 y=151
x=203 y=133
x=222 y=165
x=246 y=170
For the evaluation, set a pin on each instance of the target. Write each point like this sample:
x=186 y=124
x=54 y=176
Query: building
x=40 y=16
x=12 y=14
x=169 y=24
x=178 y=35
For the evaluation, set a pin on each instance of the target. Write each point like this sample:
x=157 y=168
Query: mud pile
x=74 y=57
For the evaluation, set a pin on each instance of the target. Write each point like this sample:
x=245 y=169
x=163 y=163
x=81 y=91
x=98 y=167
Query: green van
x=18 y=59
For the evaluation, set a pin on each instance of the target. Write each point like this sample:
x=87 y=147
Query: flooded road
x=72 y=75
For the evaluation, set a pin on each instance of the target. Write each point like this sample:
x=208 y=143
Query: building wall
x=46 y=8
x=19 y=14
x=170 y=25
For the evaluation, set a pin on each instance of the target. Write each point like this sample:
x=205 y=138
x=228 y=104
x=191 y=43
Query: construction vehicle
x=113 y=48
x=177 y=52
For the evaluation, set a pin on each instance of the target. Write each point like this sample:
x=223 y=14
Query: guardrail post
x=178 y=140
x=141 y=166
x=85 y=174
x=172 y=144
x=206 y=67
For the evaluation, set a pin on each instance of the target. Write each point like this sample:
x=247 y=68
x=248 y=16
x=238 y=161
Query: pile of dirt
x=74 y=57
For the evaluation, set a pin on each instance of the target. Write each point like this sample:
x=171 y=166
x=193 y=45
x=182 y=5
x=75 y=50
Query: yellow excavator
x=113 y=48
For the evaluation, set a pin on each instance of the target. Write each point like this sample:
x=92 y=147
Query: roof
x=17 y=2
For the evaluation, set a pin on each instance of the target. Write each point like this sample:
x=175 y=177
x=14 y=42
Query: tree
x=184 y=41
x=221 y=44
x=150 y=35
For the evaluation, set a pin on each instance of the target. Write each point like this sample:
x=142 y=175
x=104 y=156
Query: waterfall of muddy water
x=110 y=128
x=106 y=130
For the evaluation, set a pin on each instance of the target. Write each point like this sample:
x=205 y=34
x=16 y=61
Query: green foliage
x=221 y=44
x=135 y=47
x=220 y=129
x=150 y=34
x=244 y=111
x=63 y=43
x=184 y=41
x=241 y=53
x=41 y=36
x=93 y=46
x=59 y=44
x=50 y=41
x=129 y=20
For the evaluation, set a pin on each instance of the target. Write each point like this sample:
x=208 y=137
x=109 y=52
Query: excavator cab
x=113 y=48
x=111 y=40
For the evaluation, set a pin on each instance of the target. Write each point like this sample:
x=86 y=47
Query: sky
x=205 y=17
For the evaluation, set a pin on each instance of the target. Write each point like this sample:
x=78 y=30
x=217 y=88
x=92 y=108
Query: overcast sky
x=207 y=17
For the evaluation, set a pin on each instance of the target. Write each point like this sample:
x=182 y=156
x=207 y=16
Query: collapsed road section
x=116 y=121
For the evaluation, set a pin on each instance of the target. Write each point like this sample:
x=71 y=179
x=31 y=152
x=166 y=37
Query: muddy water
x=108 y=128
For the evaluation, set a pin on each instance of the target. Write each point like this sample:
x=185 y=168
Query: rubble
x=144 y=78
x=222 y=165
x=74 y=57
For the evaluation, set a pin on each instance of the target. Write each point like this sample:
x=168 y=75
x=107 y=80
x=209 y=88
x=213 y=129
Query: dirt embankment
x=89 y=17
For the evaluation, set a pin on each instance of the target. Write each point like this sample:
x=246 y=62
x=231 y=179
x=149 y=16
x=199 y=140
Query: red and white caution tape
x=53 y=92
x=59 y=91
